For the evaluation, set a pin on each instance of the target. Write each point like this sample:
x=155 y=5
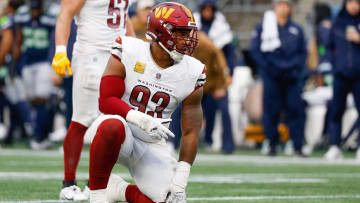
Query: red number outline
x=144 y=100
x=116 y=10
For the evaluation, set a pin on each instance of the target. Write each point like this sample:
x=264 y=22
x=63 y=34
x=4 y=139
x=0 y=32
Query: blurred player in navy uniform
x=33 y=38
x=344 y=48
x=279 y=49
x=13 y=93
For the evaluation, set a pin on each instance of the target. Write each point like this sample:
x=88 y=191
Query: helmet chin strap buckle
x=176 y=56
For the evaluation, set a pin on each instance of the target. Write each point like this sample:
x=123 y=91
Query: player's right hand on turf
x=61 y=63
x=153 y=127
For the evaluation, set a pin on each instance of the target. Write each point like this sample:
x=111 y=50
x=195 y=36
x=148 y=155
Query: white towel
x=270 y=40
x=220 y=31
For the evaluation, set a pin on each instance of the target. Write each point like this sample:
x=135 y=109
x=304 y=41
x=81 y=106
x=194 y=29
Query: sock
x=24 y=111
x=40 y=121
x=104 y=152
x=134 y=195
x=73 y=144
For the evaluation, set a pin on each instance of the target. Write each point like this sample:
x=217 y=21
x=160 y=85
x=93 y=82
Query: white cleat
x=358 y=154
x=98 y=196
x=72 y=193
x=86 y=192
x=116 y=188
x=334 y=153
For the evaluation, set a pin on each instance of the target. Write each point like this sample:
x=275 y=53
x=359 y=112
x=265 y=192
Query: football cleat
x=98 y=196
x=73 y=193
x=86 y=192
x=116 y=188
x=334 y=153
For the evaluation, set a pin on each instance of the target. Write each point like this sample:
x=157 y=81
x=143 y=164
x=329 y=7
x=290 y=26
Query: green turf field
x=29 y=177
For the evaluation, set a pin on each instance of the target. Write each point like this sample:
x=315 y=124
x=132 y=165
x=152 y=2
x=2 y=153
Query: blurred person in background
x=13 y=93
x=215 y=95
x=279 y=49
x=214 y=24
x=33 y=39
x=139 y=20
x=344 y=48
x=318 y=89
x=211 y=21
x=215 y=92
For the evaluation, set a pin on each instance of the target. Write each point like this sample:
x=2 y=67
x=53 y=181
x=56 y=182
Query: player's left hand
x=176 y=197
x=61 y=64
x=179 y=183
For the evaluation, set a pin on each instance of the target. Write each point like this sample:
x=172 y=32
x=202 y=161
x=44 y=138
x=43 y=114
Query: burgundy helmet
x=167 y=18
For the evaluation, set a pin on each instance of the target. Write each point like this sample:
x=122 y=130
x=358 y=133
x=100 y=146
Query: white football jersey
x=99 y=22
x=151 y=89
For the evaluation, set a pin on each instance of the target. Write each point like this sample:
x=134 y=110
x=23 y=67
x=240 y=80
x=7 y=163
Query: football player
x=13 y=90
x=32 y=38
x=98 y=22
x=142 y=85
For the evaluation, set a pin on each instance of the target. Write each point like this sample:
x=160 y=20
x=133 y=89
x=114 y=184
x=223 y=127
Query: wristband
x=181 y=175
x=60 y=48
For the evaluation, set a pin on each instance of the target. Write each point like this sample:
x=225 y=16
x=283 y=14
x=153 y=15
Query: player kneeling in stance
x=142 y=85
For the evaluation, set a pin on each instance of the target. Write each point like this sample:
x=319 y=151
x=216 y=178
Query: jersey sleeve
x=5 y=23
x=201 y=79
x=117 y=48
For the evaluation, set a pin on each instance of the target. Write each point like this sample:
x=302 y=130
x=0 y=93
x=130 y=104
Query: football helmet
x=173 y=26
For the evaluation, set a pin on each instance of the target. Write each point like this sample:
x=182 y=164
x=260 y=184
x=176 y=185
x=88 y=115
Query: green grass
x=257 y=179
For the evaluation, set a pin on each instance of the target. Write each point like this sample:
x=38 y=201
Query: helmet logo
x=163 y=12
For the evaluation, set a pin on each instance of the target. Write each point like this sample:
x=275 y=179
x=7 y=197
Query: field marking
x=272 y=197
x=206 y=158
x=216 y=179
x=224 y=198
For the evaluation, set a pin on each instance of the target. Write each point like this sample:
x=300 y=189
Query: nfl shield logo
x=158 y=76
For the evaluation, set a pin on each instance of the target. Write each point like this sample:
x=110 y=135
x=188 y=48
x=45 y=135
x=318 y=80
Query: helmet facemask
x=182 y=41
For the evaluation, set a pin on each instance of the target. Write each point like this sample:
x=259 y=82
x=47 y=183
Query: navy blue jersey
x=36 y=37
x=289 y=58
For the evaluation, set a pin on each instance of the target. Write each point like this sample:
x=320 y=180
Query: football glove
x=153 y=127
x=179 y=182
x=176 y=197
x=61 y=62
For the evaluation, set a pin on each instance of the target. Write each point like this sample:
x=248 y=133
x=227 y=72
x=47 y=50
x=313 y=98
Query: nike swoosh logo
x=56 y=63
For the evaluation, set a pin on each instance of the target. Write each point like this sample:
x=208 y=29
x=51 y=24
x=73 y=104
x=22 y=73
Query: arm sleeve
x=4 y=23
x=301 y=57
x=330 y=47
x=112 y=89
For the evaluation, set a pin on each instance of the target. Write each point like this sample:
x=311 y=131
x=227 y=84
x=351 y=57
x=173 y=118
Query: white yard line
x=36 y=201
x=207 y=158
x=216 y=179
x=193 y=176
x=272 y=197
x=225 y=198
